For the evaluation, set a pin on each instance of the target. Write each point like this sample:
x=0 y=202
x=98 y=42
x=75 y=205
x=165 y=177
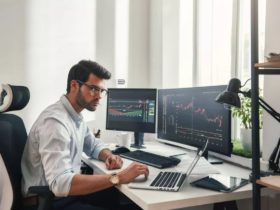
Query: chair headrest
x=13 y=97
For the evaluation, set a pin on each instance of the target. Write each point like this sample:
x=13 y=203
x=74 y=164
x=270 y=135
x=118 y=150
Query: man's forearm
x=85 y=184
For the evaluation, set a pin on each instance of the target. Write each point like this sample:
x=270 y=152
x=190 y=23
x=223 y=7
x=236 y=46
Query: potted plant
x=244 y=115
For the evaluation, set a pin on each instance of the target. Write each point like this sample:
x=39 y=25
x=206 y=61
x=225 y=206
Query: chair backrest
x=13 y=135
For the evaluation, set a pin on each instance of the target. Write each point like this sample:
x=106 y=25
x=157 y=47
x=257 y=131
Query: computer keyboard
x=151 y=159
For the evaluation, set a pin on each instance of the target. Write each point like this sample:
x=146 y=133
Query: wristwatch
x=114 y=179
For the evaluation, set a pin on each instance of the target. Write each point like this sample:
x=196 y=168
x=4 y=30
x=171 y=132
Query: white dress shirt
x=52 y=154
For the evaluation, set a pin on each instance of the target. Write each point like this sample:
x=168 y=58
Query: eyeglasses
x=94 y=89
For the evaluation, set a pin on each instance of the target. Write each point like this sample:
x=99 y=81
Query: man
x=52 y=155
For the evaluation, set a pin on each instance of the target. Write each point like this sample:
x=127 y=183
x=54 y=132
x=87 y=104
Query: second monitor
x=189 y=116
x=131 y=109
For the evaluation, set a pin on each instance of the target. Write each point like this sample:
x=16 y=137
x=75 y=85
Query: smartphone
x=221 y=183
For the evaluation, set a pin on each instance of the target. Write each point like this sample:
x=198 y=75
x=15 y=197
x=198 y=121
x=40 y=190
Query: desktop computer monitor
x=190 y=116
x=132 y=109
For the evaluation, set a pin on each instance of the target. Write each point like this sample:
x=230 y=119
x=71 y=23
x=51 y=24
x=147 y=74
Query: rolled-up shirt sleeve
x=55 y=153
x=92 y=145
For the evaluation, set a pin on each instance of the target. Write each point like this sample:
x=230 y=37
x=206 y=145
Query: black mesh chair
x=12 y=140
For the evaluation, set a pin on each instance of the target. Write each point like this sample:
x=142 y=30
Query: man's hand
x=113 y=162
x=132 y=171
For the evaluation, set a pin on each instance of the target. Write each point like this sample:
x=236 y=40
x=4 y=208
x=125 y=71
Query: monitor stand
x=212 y=160
x=138 y=140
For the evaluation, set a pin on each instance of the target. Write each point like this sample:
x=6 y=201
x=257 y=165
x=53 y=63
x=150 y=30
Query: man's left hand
x=113 y=162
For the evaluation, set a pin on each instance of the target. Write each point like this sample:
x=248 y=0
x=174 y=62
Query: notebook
x=168 y=180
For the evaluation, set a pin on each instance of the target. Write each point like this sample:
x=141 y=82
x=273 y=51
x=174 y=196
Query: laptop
x=168 y=180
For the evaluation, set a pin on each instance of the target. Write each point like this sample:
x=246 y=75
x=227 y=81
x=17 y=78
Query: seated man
x=52 y=154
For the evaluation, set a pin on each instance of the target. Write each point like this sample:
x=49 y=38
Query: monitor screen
x=188 y=116
x=131 y=109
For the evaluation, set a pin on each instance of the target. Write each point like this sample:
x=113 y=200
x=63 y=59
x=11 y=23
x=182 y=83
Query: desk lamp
x=229 y=97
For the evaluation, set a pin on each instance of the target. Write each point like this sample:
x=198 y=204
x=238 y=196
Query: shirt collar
x=78 y=118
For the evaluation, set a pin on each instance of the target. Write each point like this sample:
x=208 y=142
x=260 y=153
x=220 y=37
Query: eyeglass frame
x=94 y=89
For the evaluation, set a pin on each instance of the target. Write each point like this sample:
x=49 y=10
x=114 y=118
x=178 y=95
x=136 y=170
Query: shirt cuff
x=97 y=151
x=61 y=185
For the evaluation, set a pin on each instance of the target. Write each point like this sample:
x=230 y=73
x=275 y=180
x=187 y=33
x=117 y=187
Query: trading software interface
x=190 y=115
x=131 y=110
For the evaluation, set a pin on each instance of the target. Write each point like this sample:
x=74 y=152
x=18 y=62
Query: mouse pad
x=221 y=183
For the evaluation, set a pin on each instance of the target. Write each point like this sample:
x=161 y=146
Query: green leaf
x=244 y=113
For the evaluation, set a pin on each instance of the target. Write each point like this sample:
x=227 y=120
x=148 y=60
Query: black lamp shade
x=228 y=98
x=230 y=95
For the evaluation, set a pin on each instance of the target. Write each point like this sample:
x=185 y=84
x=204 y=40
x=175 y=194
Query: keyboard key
x=156 y=179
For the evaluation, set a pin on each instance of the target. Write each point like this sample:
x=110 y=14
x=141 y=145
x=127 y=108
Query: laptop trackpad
x=140 y=178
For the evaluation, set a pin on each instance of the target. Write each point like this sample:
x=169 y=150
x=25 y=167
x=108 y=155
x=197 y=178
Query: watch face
x=114 y=179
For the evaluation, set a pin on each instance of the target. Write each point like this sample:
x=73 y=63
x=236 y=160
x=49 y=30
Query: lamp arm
x=269 y=109
x=264 y=105
x=274 y=158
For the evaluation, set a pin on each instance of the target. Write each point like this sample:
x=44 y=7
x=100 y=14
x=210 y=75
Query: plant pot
x=246 y=139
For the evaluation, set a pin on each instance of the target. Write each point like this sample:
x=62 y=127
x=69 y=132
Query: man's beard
x=86 y=105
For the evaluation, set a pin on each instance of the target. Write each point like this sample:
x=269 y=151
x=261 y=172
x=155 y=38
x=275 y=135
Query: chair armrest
x=40 y=190
x=45 y=196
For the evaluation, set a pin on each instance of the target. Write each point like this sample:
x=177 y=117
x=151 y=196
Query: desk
x=187 y=196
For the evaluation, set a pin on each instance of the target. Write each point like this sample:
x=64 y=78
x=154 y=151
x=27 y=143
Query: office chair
x=13 y=137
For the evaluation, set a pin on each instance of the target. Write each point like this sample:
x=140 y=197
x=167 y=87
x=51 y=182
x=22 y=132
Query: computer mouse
x=120 y=150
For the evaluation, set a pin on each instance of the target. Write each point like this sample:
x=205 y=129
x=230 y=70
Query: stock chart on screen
x=132 y=110
x=190 y=115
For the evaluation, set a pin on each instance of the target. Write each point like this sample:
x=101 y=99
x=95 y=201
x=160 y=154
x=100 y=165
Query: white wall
x=271 y=128
x=105 y=48
x=12 y=42
x=164 y=43
x=139 y=41
x=155 y=47
x=170 y=43
x=40 y=41
x=45 y=38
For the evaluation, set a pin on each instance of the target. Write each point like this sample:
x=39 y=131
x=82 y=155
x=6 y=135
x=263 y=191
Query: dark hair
x=83 y=69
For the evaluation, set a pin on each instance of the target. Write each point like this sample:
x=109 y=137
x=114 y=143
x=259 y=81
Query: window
x=214 y=42
x=243 y=42
x=186 y=43
x=243 y=61
x=214 y=38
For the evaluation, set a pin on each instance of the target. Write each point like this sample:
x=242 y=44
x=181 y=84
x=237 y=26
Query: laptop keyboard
x=168 y=179
x=151 y=159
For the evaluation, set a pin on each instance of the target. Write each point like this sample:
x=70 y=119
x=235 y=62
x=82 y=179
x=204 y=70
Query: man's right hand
x=132 y=171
